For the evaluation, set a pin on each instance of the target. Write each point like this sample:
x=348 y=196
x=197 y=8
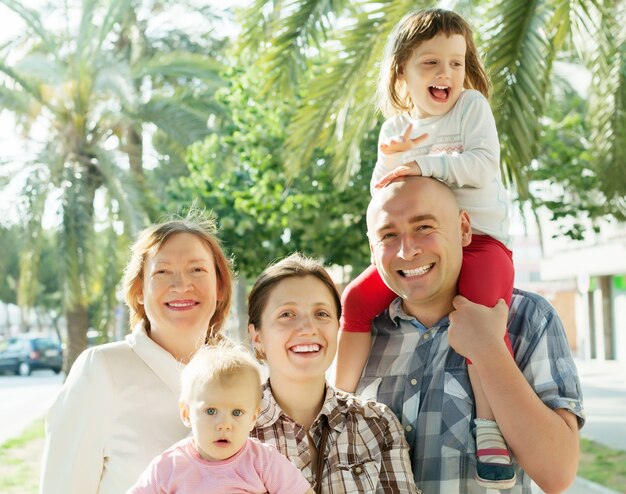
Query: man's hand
x=402 y=143
x=475 y=330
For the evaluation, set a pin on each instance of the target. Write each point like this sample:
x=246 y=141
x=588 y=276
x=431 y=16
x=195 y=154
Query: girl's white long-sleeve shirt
x=462 y=150
x=117 y=410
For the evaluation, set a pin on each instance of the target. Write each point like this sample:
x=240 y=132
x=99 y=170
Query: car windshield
x=44 y=344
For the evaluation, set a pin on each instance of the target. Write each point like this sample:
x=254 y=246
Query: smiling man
x=417 y=364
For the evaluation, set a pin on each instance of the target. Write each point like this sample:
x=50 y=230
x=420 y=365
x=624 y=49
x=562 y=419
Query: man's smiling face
x=416 y=234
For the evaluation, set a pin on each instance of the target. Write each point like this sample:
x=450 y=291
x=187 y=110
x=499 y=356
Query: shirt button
x=408 y=428
x=572 y=404
x=358 y=470
x=413 y=381
x=425 y=336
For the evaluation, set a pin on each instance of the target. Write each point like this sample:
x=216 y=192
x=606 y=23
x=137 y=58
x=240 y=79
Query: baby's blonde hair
x=219 y=363
x=413 y=29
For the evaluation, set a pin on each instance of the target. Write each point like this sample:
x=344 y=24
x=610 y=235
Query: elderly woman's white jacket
x=117 y=410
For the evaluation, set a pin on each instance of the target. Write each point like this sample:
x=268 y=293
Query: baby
x=220 y=401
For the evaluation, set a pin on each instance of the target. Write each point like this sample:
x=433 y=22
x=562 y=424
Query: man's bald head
x=413 y=185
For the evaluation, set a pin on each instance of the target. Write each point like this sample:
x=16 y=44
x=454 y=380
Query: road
x=24 y=399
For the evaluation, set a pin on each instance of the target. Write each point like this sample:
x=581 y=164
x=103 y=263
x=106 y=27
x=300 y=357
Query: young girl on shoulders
x=434 y=89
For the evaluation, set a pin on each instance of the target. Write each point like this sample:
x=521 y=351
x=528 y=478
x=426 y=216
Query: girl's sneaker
x=495 y=475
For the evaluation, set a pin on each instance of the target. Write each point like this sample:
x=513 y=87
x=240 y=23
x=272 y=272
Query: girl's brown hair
x=413 y=29
x=295 y=265
x=197 y=223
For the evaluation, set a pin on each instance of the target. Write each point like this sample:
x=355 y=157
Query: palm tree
x=83 y=91
x=325 y=54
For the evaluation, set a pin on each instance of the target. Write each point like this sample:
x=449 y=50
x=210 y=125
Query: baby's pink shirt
x=256 y=468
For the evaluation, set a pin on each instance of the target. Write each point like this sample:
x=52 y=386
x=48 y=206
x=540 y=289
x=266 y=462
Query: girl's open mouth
x=439 y=93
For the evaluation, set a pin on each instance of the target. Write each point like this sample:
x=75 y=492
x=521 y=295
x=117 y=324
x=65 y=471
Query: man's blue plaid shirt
x=413 y=370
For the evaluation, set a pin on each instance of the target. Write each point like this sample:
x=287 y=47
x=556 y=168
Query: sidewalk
x=604 y=395
x=604 y=398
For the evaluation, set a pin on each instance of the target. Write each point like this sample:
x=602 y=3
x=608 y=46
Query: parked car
x=25 y=353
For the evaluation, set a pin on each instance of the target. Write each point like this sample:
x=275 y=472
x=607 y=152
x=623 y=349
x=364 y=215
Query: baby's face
x=222 y=414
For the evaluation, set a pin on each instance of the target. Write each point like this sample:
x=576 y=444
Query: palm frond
x=255 y=21
x=296 y=27
x=27 y=85
x=607 y=103
x=33 y=195
x=122 y=188
x=180 y=64
x=40 y=66
x=116 y=11
x=33 y=22
x=519 y=57
x=16 y=101
x=108 y=270
x=114 y=79
x=339 y=106
x=356 y=118
x=181 y=122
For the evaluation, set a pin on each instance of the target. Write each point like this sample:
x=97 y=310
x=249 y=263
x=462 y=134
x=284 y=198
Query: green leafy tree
x=520 y=42
x=263 y=215
x=47 y=294
x=563 y=177
x=83 y=94
x=9 y=263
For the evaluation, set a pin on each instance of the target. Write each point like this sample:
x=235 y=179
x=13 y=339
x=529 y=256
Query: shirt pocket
x=360 y=476
x=457 y=411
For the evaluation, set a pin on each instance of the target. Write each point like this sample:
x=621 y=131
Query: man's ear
x=466 y=228
x=184 y=413
x=372 y=257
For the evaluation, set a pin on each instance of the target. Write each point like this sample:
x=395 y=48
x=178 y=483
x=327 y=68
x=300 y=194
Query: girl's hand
x=401 y=171
x=402 y=143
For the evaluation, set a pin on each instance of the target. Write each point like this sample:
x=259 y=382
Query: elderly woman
x=118 y=408
x=340 y=443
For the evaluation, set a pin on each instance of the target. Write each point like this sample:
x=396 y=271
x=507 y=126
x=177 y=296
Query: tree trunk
x=77 y=325
x=135 y=155
x=241 y=309
x=7 y=323
x=24 y=319
x=55 y=324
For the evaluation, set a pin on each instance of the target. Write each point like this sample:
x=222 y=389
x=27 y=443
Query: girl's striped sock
x=490 y=445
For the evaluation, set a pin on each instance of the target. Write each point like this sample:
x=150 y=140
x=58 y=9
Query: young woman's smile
x=299 y=327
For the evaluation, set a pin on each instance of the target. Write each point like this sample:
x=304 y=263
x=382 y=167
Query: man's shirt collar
x=397 y=314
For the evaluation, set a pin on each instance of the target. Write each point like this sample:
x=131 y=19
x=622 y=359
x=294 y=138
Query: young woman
x=340 y=443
